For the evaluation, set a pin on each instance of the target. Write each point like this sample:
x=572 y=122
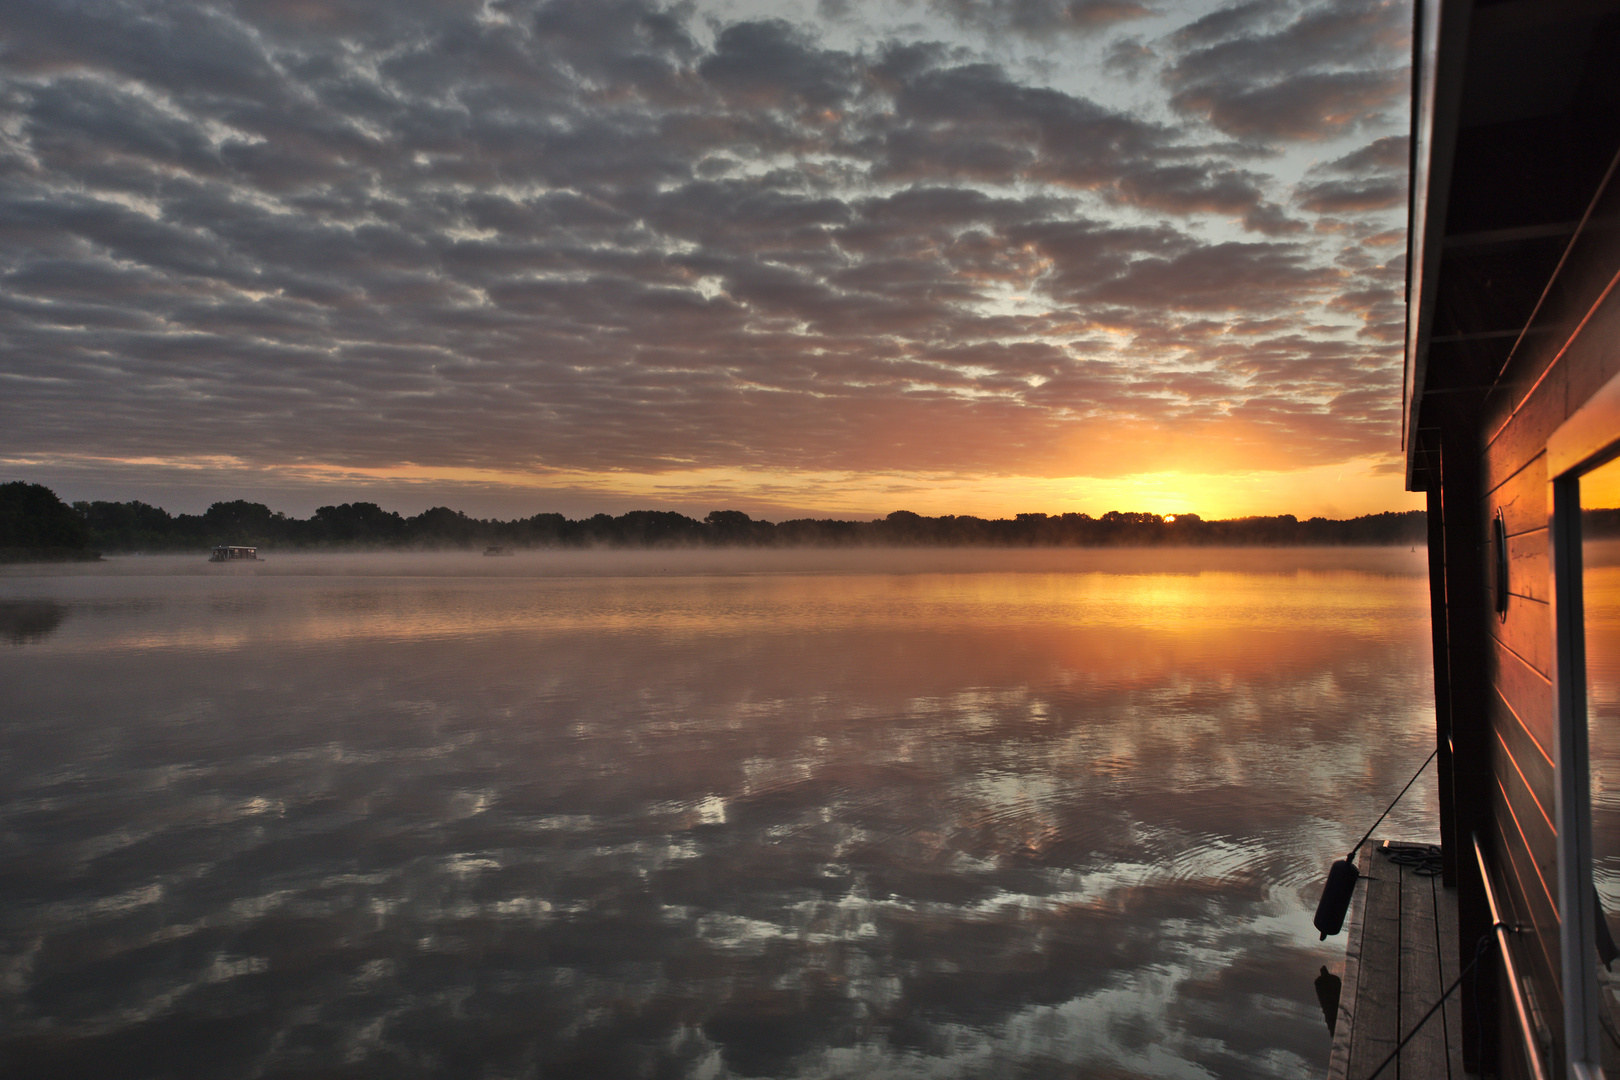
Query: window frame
x=1589 y=439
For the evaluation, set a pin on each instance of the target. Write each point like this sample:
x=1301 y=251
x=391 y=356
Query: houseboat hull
x=1511 y=396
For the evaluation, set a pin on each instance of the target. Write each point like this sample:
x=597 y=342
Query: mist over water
x=707 y=813
x=587 y=562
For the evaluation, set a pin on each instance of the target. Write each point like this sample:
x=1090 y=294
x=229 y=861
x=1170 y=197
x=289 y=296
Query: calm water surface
x=989 y=814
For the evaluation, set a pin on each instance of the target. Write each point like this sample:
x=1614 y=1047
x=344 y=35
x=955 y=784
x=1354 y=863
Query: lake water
x=793 y=814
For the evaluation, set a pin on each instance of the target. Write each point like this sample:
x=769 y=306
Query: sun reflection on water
x=788 y=823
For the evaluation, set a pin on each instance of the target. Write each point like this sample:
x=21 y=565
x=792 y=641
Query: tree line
x=136 y=526
x=32 y=518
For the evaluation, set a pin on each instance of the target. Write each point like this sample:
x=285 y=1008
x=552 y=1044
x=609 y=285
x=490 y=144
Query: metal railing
x=1527 y=1026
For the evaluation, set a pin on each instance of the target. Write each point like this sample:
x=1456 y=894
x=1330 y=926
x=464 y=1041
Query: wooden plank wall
x=1552 y=375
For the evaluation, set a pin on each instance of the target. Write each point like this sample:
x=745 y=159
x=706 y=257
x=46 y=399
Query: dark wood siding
x=1567 y=355
x=1513 y=326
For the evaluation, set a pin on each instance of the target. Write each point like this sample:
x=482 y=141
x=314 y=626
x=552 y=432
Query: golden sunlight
x=1360 y=486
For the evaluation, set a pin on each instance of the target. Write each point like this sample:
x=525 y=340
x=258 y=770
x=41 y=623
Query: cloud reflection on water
x=928 y=824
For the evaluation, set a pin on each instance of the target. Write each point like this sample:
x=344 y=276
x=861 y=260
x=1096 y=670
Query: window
x=1583 y=460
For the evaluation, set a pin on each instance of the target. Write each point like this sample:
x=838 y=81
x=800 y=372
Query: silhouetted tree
x=357 y=523
x=441 y=525
x=129 y=526
x=34 y=523
x=904 y=529
x=542 y=530
x=135 y=526
x=240 y=522
x=657 y=528
x=736 y=527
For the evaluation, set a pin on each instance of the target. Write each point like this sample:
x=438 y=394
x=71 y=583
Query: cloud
x=974 y=121
x=632 y=236
x=1336 y=67
x=774 y=65
x=1352 y=196
x=1183 y=189
x=1307 y=108
x=1231 y=276
x=1388 y=154
x=1271 y=220
x=1329 y=34
x=1369 y=179
x=1226 y=22
x=1129 y=57
x=1036 y=18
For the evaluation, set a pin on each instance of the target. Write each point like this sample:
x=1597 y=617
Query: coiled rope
x=1424 y=860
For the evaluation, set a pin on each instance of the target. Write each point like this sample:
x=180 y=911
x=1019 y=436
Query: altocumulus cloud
x=997 y=237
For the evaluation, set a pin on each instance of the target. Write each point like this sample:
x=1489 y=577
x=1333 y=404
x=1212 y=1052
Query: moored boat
x=1511 y=417
x=234 y=553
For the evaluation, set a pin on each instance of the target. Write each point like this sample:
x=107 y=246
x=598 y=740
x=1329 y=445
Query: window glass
x=1600 y=558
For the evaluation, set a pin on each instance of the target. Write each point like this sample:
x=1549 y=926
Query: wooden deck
x=1401 y=955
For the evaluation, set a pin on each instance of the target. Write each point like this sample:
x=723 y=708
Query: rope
x=1351 y=858
x=1479 y=952
x=1424 y=860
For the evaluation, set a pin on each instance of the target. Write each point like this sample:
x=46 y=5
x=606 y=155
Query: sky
x=794 y=258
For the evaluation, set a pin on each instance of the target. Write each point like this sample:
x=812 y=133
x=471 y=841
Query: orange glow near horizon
x=1349 y=489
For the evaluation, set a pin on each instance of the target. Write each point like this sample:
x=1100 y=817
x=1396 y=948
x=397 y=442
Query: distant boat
x=234 y=553
x=496 y=549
